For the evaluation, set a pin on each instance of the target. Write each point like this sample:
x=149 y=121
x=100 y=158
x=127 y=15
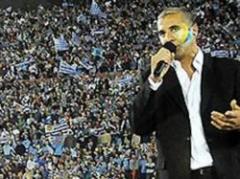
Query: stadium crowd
x=67 y=77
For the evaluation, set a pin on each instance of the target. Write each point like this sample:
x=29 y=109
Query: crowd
x=71 y=120
x=94 y=142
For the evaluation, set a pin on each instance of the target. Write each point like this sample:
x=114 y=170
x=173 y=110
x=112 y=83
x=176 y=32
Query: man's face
x=175 y=28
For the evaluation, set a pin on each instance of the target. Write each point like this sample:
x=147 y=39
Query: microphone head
x=170 y=46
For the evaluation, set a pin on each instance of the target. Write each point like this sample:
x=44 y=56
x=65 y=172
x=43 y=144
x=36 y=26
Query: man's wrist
x=154 y=84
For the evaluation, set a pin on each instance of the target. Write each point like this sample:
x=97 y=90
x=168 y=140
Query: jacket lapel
x=207 y=83
x=174 y=89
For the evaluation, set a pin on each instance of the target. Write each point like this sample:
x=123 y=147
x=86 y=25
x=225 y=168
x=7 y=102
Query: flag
x=95 y=10
x=60 y=43
x=65 y=68
x=98 y=31
x=85 y=64
x=25 y=64
x=220 y=53
x=55 y=130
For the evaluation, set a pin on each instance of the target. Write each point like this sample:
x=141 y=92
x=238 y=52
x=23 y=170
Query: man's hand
x=230 y=120
x=162 y=55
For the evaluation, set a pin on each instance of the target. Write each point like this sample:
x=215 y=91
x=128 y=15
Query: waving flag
x=60 y=43
x=25 y=64
x=65 y=68
x=61 y=128
x=95 y=10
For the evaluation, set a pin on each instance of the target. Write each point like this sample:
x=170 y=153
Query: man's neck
x=187 y=60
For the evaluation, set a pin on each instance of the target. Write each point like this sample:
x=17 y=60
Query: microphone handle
x=160 y=67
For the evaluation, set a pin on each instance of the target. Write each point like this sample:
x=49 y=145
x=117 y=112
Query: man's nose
x=168 y=37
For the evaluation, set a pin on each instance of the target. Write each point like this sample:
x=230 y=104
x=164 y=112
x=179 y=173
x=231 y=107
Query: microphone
x=161 y=65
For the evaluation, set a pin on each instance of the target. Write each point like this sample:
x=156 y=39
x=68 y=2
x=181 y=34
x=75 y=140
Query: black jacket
x=165 y=112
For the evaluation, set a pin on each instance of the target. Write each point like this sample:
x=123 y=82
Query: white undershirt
x=191 y=88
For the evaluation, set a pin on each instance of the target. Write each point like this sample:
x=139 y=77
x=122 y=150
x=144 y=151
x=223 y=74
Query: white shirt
x=191 y=89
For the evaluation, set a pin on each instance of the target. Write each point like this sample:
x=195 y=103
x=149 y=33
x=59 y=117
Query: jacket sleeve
x=144 y=110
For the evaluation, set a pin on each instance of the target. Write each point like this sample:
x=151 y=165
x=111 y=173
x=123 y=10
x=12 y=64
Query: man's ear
x=195 y=30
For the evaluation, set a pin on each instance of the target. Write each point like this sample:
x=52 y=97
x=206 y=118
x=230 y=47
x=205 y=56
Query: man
x=191 y=104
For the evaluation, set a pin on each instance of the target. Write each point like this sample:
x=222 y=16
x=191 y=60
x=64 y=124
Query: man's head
x=177 y=25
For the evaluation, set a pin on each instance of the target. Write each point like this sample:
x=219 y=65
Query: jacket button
x=188 y=139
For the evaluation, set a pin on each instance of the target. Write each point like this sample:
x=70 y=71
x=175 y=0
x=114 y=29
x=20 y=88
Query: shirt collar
x=197 y=61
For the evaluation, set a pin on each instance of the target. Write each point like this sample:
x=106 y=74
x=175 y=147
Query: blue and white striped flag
x=61 y=128
x=60 y=43
x=24 y=65
x=65 y=68
x=98 y=31
x=220 y=53
x=85 y=63
x=95 y=10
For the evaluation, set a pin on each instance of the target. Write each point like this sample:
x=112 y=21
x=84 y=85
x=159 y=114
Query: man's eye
x=161 y=34
x=175 y=29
